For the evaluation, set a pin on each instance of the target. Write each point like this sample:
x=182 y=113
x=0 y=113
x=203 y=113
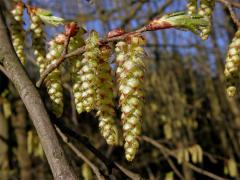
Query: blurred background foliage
x=186 y=108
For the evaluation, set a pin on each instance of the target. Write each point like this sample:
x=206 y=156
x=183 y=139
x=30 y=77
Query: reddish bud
x=71 y=29
x=157 y=24
x=116 y=32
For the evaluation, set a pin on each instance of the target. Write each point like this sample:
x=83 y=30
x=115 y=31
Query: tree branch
x=229 y=5
x=168 y=151
x=57 y=160
x=85 y=142
x=80 y=155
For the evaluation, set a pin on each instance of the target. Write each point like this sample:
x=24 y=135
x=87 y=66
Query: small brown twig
x=81 y=50
x=80 y=155
x=55 y=65
x=233 y=4
x=191 y=166
x=110 y=164
x=230 y=5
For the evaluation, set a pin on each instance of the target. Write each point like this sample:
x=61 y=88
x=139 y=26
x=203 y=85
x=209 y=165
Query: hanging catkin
x=130 y=73
x=36 y=27
x=192 y=7
x=53 y=80
x=206 y=10
x=232 y=66
x=87 y=73
x=17 y=32
x=105 y=103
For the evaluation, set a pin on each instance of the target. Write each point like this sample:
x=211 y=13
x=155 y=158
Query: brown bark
x=59 y=164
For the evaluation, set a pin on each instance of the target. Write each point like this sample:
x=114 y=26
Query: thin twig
x=80 y=155
x=168 y=151
x=234 y=4
x=55 y=65
x=80 y=50
x=86 y=143
x=229 y=5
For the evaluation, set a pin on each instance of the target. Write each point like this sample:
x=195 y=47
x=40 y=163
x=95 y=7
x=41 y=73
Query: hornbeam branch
x=81 y=50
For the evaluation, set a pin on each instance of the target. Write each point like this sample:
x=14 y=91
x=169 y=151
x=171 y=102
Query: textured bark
x=60 y=167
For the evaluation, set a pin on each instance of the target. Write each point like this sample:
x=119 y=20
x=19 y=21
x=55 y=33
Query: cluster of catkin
x=232 y=66
x=206 y=9
x=93 y=84
x=17 y=32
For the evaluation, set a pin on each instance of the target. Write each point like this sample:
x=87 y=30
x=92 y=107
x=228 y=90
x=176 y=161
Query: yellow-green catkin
x=192 y=7
x=75 y=67
x=36 y=27
x=105 y=98
x=232 y=65
x=130 y=74
x=87 y=72
x=206 y=10
x=53 y=80
x=17 y=32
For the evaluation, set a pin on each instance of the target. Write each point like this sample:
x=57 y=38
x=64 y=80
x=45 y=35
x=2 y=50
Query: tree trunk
x=57 y=160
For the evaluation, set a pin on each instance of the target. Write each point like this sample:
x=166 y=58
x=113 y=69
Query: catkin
x=53 y=80
x=17 y=32
x=75 y=69
x=87 y=73
x=232 y=65
x=206 y=10
x=105 y=101
x=192 y=7
x=36 y=27
x=130 y=73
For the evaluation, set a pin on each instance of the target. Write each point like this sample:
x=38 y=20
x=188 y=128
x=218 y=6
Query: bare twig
x=80 y=50
x=85 y=142
x=80 y=155
x=168 y=151
x=234 y=4
x=55 y=65
x=229 y=5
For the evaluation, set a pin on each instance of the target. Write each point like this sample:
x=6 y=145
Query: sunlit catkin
x=87 y=72
x=53 y=80
x=36 y=28
x=192 y=7
x=130 y=73
x=75 y=69
x=105 y=103
x=232 y=65
x=206 y=10
x=17 y=32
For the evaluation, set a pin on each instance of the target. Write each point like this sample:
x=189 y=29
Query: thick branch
x=60 y=167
